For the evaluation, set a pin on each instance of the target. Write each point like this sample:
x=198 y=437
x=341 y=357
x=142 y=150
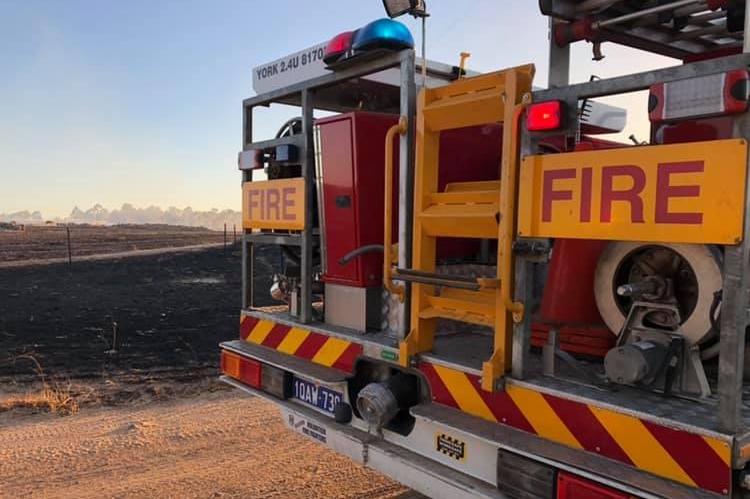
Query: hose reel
x=654 y=297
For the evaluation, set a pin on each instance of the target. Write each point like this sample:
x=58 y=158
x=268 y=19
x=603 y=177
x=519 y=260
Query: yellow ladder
x=466 y=209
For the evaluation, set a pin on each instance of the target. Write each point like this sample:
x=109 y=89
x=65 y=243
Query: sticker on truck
x=307 y=428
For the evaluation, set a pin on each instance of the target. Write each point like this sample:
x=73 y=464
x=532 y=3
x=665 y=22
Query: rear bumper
x=417 y=472
x=415 y=460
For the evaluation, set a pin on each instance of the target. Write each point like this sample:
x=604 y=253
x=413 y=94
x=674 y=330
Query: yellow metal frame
x=470 y=209
x=500 y=362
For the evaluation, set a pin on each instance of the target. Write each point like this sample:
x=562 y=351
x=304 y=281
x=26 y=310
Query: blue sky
x=139 y=101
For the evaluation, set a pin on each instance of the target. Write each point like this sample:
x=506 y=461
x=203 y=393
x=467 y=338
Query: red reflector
x=338 y=46
x=573 y=487
x=544 y=116
x=250 y=372
x=246 y=370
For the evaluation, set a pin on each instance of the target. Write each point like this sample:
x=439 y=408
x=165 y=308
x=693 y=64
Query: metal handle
x=399 y=128
x=507 y=198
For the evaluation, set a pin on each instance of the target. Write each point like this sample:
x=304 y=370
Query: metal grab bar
x=399 y=128
x=508 y=193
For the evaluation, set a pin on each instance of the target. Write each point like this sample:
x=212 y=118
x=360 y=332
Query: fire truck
x=480 y=295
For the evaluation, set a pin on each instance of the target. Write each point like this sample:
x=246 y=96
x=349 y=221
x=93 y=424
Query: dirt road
x=218 y=445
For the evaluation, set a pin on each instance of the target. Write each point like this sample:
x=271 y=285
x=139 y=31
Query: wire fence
x=66 y=242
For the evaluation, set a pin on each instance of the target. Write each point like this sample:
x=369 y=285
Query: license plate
x=316 y=395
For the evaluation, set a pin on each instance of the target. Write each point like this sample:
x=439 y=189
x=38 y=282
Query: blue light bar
x=385 y=34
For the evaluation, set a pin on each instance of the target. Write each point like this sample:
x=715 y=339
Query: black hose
x=363 y=250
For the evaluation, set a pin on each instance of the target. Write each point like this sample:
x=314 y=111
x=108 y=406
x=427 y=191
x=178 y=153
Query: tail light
x=544 y=116
x=701 y=97
x=252 y=159
x=573 y=487
x=257 y=375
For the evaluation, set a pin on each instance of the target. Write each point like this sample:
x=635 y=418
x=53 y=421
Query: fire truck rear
x=478 y=295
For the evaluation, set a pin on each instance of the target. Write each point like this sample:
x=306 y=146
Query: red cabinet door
x=339 y=199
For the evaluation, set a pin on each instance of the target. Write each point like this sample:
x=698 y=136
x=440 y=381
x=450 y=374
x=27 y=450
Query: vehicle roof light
x=385 y=34
x=338 y=47
x=544 y=116
x=700 y=97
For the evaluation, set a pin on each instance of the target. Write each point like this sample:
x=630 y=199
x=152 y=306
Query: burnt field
x=51 y=242
x=133 y=343
x=139 y=317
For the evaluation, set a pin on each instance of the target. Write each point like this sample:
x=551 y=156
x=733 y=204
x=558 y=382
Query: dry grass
x=57 y=399
x=54 y=396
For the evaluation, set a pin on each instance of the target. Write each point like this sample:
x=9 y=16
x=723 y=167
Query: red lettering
x=262 y=205
x=665 y=191
x=272 y=203
x=252 y=203
x=631 y=195
x=549 y=194
x=287 y=203
x=586 y=181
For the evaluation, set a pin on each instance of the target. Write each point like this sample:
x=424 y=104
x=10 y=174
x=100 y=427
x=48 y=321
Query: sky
x=139 y=102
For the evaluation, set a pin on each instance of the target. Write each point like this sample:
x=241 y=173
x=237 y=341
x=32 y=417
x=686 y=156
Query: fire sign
x=274 y=204
x=690 y=193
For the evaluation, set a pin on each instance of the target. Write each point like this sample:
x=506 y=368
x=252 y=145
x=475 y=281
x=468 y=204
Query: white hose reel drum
x=686 y=274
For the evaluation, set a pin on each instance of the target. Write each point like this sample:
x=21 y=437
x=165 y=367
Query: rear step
x=413 y=470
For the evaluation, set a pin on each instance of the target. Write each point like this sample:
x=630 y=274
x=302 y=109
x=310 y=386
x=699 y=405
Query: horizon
x=122 y=206
x=129 y=214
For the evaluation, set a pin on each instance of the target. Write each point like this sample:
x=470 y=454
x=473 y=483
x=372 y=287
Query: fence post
x=70 y=253
x=225 y=237
x=234 y=234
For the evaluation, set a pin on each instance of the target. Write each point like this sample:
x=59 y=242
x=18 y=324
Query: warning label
x=307 y=428
x=451 y=446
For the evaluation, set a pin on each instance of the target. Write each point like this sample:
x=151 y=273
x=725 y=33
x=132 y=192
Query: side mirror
x=396 y=8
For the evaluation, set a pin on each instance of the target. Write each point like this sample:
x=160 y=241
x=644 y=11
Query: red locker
x=353 y=156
